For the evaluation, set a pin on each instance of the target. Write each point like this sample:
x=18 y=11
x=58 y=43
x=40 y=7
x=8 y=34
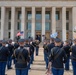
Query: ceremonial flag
x=20 y=33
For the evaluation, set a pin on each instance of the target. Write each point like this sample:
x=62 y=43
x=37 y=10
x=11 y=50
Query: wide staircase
x=38 y=66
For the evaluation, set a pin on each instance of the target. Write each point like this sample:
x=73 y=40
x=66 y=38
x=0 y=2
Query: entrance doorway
x=47 y=35
x=38 y=36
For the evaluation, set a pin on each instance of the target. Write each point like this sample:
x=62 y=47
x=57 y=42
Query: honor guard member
x=66 y=48
x=57 y=58
x=73 y=57
x=4 y=52
x=21 y=55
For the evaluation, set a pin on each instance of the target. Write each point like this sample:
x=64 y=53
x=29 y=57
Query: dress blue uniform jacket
x=4 y=52
x=25 y=54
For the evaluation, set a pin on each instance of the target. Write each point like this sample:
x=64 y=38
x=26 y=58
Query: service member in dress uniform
x=22 y=56
x=57 y=59
x=11 y=49
x=51 y=45
x=4 y=53
x=27 y=46
x=73 y=57
x=45 y=46
x=66 y=47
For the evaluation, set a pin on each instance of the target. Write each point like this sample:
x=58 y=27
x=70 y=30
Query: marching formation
x=21 y=52
x=57 y=55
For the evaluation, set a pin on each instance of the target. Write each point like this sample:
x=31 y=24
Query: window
x=29 y=15
x=0 y=13
x=57 y=15
x=38 y=26
x=67 y=26
x=29 y=26
x=9 y=34
x=9 y=26
x=0 y=25
x=19 y=15
x=47 y=26
x=47 y=15
x=28 y=34
x=19 y=26
x=9 y=15
x=67 y=15
x=38 y=15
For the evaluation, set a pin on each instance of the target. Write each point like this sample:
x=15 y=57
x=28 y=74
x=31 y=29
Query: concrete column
x=13 y=23
x=63 y=23
x=73 y=22
x=23 y=21
x=2 y=22
x=33 y=23
x=53 y=19
x=43 y=22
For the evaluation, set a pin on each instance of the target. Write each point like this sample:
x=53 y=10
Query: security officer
x=21 y=55
x=66 y=47
x=57 y=58
x=11 y=48
x=4 y=52
x=73 y=57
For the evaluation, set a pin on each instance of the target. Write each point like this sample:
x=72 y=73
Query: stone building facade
x=37 y=17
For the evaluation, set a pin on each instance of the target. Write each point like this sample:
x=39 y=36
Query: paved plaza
x=38 y=67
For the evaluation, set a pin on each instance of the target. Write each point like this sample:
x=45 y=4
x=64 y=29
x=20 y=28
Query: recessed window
x=0 y=25
x=9 y=34
x=47 y=15
x=28 y=34
x=38 y=15
x=67 y=15
x=19 y=26
x=9 y=15
x=19 y=15
x=67 y=26
x=57 y=15
x=29 y=26
x=47 y=26
x=29 y=15
x=38 y=26
x=9 y=26
x=0 y=13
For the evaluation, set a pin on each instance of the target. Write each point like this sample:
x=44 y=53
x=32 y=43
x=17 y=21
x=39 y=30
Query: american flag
x=20 y=33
